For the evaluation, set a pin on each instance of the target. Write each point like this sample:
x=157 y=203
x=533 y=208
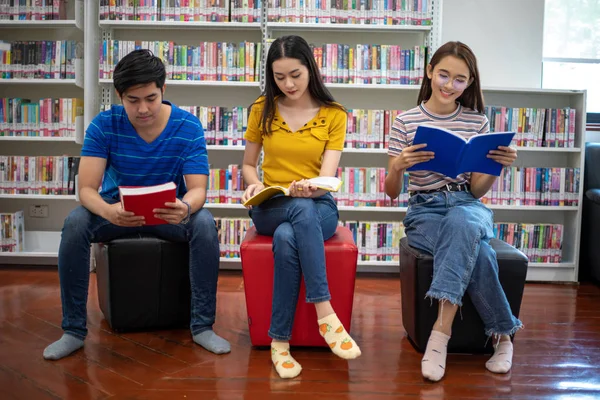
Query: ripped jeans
x=456 y=229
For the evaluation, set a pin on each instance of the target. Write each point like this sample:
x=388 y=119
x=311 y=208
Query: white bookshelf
x=42 y=235
x=360 y=96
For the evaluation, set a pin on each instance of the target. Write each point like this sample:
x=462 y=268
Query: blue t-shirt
x=179 y=150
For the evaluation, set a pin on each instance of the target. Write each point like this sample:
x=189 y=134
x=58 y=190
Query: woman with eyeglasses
x=445 y=216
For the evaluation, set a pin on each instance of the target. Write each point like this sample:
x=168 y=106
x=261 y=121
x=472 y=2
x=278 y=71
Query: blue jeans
x=299 y=227
x=456 y=229
x=82 y=228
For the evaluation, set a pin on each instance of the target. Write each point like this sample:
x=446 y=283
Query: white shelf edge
x=373 y=86
x=224 y=148
x=532 y=208
x=39 y=196
x=21 y=81
x=519 y=148
x=37 y=139
x=172 y=82
x=107 y=24
x=530 y=90
x=59 y=23
x=297 y=26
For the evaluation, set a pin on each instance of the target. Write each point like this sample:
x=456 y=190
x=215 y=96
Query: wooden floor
x=557 y=354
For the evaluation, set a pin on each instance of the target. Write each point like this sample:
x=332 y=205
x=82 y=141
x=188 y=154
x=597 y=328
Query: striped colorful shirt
x=179 y=150
x=463 y=121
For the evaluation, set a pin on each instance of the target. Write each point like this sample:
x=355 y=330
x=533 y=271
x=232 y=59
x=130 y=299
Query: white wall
x=506 y=36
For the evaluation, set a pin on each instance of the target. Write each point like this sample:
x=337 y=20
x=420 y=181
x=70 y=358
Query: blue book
x=455 y=155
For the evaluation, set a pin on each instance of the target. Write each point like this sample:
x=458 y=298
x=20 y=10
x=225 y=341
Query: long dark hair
x=472 y=96
x=292 y=46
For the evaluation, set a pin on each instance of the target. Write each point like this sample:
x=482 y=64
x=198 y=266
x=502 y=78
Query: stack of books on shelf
x=50 y=117
x=12 y=232
x=369 y=129
x=39 y=10
x=535 y=127
x=370 y=63
x=181 y=10
x=539 y=242
x=208 y=61
x=375 y=12
x=231 y=232
x=42 y=59
x=47 y=175
x=521 y=186
x=376 y=240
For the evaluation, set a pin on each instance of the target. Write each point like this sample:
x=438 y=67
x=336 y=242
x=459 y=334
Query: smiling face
x=142 y=104
x=291 y=77
x=449 y=79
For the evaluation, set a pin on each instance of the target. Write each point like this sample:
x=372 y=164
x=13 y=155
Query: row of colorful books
x=539 y=242
x=41 y=59
x=47 y=175
x=365 y=187
x=12 y=232
x=370 y=63
x=208 y=61
x=38 y=10
x=535 y=127
x=48 y=117
x=379 y=240
x=531 y=186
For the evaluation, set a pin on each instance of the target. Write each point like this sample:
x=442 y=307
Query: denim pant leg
x=466 y=224
x=423 y=219
x=80 y=229
x=201 y=233
x=488 y=297
x=299 y=228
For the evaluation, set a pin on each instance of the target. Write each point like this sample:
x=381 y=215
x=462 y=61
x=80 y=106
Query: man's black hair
x=137 y=68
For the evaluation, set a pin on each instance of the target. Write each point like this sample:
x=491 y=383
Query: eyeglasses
x=458 y=83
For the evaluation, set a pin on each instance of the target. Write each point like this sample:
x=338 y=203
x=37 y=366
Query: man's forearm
x=91 y=199
x=195 y=198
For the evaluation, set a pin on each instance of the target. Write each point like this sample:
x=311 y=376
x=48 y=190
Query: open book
x=455 y=155
x=141 y=200
x=329 y=183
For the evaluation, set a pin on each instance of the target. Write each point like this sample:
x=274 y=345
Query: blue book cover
x=455 y=155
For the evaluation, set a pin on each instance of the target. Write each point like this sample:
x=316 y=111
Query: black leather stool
x=143 y=283
x=419 y=314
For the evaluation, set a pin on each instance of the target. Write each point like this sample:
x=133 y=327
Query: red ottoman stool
x=341 y=255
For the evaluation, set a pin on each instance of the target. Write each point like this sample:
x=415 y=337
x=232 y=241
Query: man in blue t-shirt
x=146 y=141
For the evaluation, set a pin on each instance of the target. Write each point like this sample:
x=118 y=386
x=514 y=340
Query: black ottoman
x=143 y=283
x=419 y=314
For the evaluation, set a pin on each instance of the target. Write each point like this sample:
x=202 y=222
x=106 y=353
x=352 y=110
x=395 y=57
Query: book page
x=132 y=191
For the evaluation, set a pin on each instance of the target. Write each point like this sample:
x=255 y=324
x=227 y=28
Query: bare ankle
x=445 y=329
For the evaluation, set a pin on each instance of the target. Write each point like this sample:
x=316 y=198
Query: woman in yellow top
x=302 y=131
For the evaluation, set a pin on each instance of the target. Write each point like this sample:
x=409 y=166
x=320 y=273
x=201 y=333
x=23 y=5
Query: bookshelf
x=42 y=235
x=378 y=96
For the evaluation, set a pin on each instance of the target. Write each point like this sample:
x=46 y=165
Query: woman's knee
x=284 y=235
x=303 y=208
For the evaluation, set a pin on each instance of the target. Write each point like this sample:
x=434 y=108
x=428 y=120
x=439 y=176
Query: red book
x=141 y=200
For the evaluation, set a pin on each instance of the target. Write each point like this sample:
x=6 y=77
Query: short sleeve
x=337 y=130
x=398 y=138
x=485 y=125
x=253 y=132
x=196 y=160
x=95 y=143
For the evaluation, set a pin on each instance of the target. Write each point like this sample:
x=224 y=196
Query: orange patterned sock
x=337 y=338
x=284 y=363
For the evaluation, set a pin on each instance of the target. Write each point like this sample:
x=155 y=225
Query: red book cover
x=141 y=200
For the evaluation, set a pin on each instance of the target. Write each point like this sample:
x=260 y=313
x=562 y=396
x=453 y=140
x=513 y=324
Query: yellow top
x=291 y=156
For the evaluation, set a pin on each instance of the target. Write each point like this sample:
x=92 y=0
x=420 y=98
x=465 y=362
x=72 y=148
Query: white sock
x=284 y=363
x=501 y=361
x=433 y=364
